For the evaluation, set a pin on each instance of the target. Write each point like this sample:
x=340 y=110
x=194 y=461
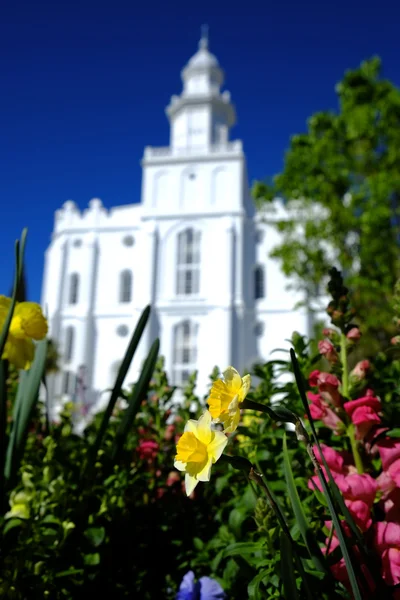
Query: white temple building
x=194 y=248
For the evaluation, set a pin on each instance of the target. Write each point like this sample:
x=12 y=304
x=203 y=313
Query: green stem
x=345 y=393
x=354 y=448
x=343 y=360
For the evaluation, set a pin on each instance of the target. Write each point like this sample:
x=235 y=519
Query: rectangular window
x=68 y=386
x=184 y=351
x=188 y=263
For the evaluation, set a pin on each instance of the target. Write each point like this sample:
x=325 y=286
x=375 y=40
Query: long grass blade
x=7 y=322
x=335 y=518
x=306 y=532
x=139 y=393
x=287 y=572
x=126 y=363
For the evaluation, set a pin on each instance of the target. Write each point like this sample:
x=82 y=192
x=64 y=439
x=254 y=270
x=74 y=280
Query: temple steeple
x=201 y=116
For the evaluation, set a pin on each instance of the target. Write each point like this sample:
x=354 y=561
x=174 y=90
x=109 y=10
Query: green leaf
x=138 y=395
x=69 y=572
x=242 y=548
x=126 y=363
x=306 y=532
x=27 y=397
x=92 y=559
x=253 y=589
x=95 y=535
x=287 y=571
x=236 y=518
x=51 y=521
x=19 y=257
x=198 y=544
x=216 y=561
x=395 y=433
x=13 y=524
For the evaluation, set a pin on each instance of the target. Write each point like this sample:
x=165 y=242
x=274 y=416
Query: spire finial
x=204 y=37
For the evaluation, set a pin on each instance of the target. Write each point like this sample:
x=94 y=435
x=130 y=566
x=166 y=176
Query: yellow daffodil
x=27 y=324
x=226 y=396
x=198 y=449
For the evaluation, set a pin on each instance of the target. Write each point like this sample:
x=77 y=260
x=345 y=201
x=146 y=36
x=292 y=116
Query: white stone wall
x=198 y=182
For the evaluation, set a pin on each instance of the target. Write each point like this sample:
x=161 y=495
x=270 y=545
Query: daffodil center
x=191 y=449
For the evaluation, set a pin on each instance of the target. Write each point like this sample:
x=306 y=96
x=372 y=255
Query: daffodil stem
x=251 y=405
x=257 y=478
x=244 y=465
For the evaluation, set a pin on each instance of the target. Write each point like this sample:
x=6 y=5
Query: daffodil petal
x=233 y=418
x=246 y=383
x=5 y=302
x=204 y=474
x=19 y=352
x=232 y=379
x=181 y=466
x=29 y=321
x=234 y=406
x=217 y=446
x=204 y=432
x=191 y=425
x=190 y=483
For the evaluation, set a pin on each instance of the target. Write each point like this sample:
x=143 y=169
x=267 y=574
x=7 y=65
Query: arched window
x=188 y=263
x=184 y=351
x=73 y=288
x=259 y=282
x=125 y=286
x=69 y=343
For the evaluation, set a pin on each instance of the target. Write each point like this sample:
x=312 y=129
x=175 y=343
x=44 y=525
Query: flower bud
x=327 y=349
x=354 y=334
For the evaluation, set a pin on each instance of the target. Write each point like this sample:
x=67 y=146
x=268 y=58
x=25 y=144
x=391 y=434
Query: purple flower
x=204 y=589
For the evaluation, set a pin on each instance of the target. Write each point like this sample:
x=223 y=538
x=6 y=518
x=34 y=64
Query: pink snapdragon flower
x=364 y=413
x=337 y=463
x=387 y=542
x=329 y=333
x=359 y=491
x=389 y=450
x=321 y=411
x=169 y=432
x=360 y=370
x=328 y=386
x=354 y=334
x=327 y=349
x=148 y=450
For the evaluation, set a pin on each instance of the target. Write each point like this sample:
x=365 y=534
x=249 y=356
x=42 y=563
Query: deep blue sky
x=84 y=85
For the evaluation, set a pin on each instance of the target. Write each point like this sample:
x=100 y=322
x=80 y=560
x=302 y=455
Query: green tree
x=344 y=176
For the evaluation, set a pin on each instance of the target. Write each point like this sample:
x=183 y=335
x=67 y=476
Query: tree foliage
x=344 y=175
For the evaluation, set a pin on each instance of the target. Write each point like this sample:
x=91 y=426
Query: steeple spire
x=204 y=37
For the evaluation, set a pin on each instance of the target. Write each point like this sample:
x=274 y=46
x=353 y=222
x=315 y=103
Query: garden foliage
x=303 y=503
